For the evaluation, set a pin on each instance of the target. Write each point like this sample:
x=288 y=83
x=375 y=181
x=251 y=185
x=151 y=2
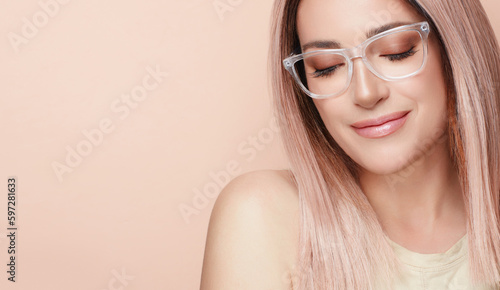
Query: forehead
x=347 y=21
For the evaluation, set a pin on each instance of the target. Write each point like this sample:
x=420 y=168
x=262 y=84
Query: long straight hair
x=341 y=243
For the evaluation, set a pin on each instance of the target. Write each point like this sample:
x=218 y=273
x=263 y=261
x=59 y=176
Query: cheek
x=335 y=115
x=427 y=89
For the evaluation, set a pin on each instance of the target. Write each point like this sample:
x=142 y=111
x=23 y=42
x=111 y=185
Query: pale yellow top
x=448 y=270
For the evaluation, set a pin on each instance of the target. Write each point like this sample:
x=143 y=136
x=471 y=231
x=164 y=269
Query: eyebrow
x=333 y=44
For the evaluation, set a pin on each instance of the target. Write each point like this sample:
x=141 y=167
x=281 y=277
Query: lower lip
x=382 y=130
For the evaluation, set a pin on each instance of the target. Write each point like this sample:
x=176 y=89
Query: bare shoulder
x=269 y=188
x=253 y=233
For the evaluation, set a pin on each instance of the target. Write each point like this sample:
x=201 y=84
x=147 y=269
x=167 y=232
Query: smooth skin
x=407 y=176
x=253 y=234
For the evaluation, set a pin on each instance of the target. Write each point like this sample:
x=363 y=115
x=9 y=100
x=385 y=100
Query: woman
x=389 y=115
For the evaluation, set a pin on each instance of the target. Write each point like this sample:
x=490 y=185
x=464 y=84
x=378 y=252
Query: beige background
x=115 y=209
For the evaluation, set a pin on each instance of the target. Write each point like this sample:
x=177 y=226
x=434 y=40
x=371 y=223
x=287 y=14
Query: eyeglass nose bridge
x=355 y=52
x=358 y=52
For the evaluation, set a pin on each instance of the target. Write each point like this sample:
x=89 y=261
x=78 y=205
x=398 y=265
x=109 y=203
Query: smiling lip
x=380 y=127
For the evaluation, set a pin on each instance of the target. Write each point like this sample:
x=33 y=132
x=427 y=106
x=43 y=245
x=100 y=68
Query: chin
x=379 y=167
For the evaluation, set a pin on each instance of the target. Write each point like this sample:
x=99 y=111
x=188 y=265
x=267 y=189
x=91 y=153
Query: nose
x=368 y=90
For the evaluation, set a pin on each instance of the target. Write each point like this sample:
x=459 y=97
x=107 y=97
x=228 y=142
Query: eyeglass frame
x=358 y=51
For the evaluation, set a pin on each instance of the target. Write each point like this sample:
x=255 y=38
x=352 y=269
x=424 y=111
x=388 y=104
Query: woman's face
x=386 y=149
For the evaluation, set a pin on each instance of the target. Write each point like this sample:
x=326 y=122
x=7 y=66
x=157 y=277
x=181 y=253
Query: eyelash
x=401 y=56
x=391 y=57
x=325 y=72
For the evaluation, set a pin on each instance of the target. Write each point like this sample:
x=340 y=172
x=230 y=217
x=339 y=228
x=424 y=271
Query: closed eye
x=327 y=71
x=401 y=56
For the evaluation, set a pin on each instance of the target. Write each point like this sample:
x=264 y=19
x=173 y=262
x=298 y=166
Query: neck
x=423 y=199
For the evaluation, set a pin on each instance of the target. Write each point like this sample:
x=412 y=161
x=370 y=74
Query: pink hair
x=342 y=244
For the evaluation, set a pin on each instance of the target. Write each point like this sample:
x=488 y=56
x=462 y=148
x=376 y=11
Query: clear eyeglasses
x=394 y=54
